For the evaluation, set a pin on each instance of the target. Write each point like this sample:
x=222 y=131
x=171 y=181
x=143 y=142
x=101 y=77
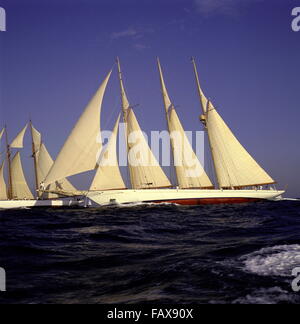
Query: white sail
x=235 y=167
x=108 y=175
x=44 y=164
x=37 y=140
x=20 y=189
x=189 y=171
x=1 y=133
x=3 y=189
x=203 y=99
x=80 y=151
x=145 y=171
x=18 y=141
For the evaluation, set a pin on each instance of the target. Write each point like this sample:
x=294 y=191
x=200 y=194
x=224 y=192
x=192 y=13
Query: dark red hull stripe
x=207 y=201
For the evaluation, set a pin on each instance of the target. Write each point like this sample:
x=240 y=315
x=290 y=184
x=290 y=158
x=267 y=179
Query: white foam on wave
x=273 y=261
x=274 y=295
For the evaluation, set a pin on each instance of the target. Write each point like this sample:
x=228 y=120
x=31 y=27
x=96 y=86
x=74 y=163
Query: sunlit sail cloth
x=80 y=151
x=18 y=141
x=108 y=175
x=145 y=171
x=189 y=171
x=20 y=189
x=44 y=164
x=203 y=99
x=36 y=139
x=235 y=167
x=3 y=189
x=1 y=133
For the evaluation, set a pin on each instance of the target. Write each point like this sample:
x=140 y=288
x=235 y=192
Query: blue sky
x=55 y=53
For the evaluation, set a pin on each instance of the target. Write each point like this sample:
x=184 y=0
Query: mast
x=8 y=155
x=204 y=116
x=125 y=107
x=35 y=163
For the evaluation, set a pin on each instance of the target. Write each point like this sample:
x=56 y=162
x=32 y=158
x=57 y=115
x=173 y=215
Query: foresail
x=108 y=175
x=145 y=172
x=18 y=141
x=3 y=188
x=20 y=187
x=189 y=171
x=235 y=167
x=44 y=164
x=80 y=151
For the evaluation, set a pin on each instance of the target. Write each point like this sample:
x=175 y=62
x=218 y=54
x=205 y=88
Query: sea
x=161 y=254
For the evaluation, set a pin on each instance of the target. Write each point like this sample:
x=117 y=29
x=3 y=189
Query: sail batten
x=80 y=151
x=108 y=175
x=189 y=171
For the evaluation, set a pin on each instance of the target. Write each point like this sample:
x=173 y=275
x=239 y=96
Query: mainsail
x=235 y=167
x=3 y=189
x=108 y=175
x=80 y=151
x=145 y=171
x=20 y=189
x=189 y=171
x=18 y=141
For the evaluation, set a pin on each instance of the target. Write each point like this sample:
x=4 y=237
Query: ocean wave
x=272 y=296
x=273 y=261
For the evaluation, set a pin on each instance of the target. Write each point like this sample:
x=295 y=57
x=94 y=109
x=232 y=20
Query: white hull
x=15 y=204
x=179 y=196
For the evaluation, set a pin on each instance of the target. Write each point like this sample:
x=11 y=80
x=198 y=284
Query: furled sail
x=235 y=167
x=3 y=189
x=145 y=171
x=20 y=189
x=189 y=171
x=44 y=164
x=18 y=141
x=80 y=151
x=108 y=175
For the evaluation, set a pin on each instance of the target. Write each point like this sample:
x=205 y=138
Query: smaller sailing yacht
x=239 y=177
x=18 y=194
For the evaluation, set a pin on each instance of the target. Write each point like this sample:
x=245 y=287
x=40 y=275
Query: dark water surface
x=152 y=254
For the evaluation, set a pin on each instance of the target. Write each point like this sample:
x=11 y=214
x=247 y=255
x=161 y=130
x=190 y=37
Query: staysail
x=189 y=171
x=3 y=189
x=235 y=167
x=108 y=175
x=20 y=189
x=145 y=171
x=80 y=151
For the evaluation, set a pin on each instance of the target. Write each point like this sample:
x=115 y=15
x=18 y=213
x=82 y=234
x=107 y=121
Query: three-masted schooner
x=17 y=193
x=239 y=176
